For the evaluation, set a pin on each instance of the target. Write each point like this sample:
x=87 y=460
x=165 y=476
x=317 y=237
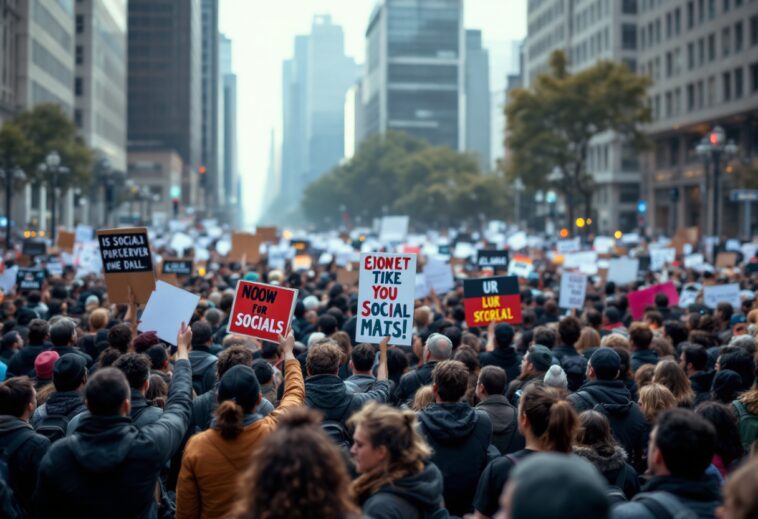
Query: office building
x=703 y=59
x=228 y=132
x=211 y=104
x=353 y=119
x=477 y=99
x=165 y=84
x=414 y=76
x=10 y=26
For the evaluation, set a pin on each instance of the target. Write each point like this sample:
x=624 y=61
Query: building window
x=700 y=94
x=711 y=90
x=738 y=36
x=629 y=6
x=712 y=47
x=669 y=107
x=691 y=55
x=727 y=85
x=754 y=30
x=690 y=97
x=738 y=79
x=628 y=36
x=711 y=9
x=726 y=37
x=690 y=14
x=79 y=54
x=669 y=64
x=642 y=38
x=700 y=11
x=78 y=118
x=678 y=21
x=79 y=24
x=701 y=51
x=669 y=25
x=78 y=86
x=727 y=5
x=754 y=77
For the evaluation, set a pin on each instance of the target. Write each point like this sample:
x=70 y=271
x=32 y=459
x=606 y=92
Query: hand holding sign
x=287 y=345
x=183 y=341
x=382 y=370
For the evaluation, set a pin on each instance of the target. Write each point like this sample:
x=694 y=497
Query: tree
x=400 y=174
x=550 y=125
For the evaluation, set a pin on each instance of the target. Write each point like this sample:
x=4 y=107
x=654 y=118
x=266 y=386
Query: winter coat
x=411 y=382
x=328 y=394
x=702 y=497
x=141 y=412
x=108 y=467
x=65 y=403
x=23 y=463
x=205 y=405
x=573 y=363
x=412 y=497
x=460 y=438
x=496 y=474
x=62 y=350
x=627 y=422
x=518 y=385
x=640 y=357
x=504 y=417
x=212 y=465
x=701 y=385
x=203 y=364
x=22 y=362
x=611 y=463
x=505 y=358
x=360 y=383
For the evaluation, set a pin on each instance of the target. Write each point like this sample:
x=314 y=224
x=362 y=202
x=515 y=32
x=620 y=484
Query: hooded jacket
x=23 y=463
x=108 y=467
x=459 y=437
x=504 y=418
x=328 y=394
x=203 y=367
x=701 y=385
x=628 y=424
x=359 y=383
x=211 y=465
x=22 y=362
x=611 y=463
x=640 y=357
x=65 y=403
x=701 y=496
x=411 y=382
x=505 y=358
x=412 y=497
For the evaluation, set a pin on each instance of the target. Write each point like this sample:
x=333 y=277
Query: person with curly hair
x=392 y=459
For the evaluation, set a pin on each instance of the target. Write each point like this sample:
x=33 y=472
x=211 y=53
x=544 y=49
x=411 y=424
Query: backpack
x=748 y=424
x=615 y=491
x=337 y=431
x=664 y=505
x=198 y=374
x=52 y=426
x=9 y=506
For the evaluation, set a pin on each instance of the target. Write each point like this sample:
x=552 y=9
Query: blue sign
x=744 y=195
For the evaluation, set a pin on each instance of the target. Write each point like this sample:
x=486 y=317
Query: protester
x=52 y=419
x=669 y=374
x=534 y=365
x=202 y=360
x=741 y=493
x=654 y=399
x=728 y=450
x=574 y=364
x=436 y=349
x=640 y=338
x=500 y=351
x=490 y=391
x=693 y=359
x=22 y=362
x=361 y=362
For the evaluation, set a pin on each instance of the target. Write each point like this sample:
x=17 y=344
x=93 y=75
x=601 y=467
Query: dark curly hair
x=297 y=473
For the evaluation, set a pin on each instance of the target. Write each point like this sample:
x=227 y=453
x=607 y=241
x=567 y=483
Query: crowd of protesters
x=570 y=414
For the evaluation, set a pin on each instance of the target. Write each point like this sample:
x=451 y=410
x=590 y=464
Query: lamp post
x=712 y=148
x=53 y=166
x=518 y=187
x=10 y=174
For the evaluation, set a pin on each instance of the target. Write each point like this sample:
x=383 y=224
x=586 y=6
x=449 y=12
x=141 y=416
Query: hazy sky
x=263 y=32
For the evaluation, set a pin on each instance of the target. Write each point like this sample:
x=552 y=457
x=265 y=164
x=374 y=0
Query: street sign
x=743 y=195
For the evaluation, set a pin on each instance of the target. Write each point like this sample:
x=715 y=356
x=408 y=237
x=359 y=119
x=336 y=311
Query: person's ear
x=126 y=407
x=351 y=365
x=435 y=390
x=146 y=385
x=260 y=399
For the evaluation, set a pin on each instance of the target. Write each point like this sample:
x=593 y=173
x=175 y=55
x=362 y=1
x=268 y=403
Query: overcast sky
x=263 y=32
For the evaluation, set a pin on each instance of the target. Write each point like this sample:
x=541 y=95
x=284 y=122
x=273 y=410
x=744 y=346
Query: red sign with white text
x=262 y=311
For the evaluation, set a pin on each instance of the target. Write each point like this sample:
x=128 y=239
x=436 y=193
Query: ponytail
x=561 y=427
x=229 y=419
x=552 y=419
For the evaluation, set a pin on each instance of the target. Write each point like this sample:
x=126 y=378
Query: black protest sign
x=30 y=279
x=178 y=267
x=34 y=248
x=496 y=259
x=128 y=252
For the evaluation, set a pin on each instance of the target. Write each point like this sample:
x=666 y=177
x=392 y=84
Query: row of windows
x=591 y=14
x=546 y=18
x=546 y=43
x=44 y=59
x=52 y=27
x=423 y=74
x=590 y=47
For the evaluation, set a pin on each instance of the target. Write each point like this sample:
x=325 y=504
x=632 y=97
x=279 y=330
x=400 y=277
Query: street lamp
x=518 y=187
x=53 y=166
x=711 y=149
x=10 y=175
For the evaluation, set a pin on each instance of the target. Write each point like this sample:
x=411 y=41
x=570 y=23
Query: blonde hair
x=654 y=399
x=395 y=430
x=98 y=319
x=589 y=338
x=671 y=375
x=739 y=491
x=615 y=340
x=423 y=399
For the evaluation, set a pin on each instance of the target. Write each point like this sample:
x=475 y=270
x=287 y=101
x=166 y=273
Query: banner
x=386 y=293
x=715 y=294
x=127 y=262
x=496 y=259
x=180 y=267
x=30 y=279
x=261 y=310
x=492 y=299
x=639 y=299
x=573 y=290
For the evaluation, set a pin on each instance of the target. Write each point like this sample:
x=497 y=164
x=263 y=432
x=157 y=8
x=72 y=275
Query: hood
x=701 y=381
x=449 y=422
x=612 y=394
x=604 y=459
x=198 y=356
x=423 y=490
x=499 y=410
x=325 y=392
x=103 y=442
x=65 y=403
x=11 y=423
x=705 y=489
x=645 y=355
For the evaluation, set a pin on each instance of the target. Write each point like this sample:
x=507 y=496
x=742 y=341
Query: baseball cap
x=606 y=363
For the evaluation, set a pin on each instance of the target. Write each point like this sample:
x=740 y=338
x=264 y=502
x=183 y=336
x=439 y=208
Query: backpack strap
x=620 y=478
x=587 y=397
x=741 y=409
x=664 y=505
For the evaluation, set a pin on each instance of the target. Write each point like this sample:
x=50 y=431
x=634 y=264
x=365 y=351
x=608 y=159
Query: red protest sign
x=262 y=311
x=492 y=299
x=639 y=299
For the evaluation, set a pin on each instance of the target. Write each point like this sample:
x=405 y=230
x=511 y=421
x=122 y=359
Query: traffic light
x=202 y=171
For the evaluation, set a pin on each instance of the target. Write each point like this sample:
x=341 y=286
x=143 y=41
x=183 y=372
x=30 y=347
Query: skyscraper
x=210 y=155
x=414 y=77
x=228 y=129
x=477 y=99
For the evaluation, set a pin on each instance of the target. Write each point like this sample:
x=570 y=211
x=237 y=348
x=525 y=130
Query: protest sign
x=83 y=233
x=266 y=234
x=393 y=229
x=623 y=270
x=573 y=290
x=180 y=242
x=463 y=250
x=726 y=259
x=496 y=259
x=167 y=307
x=489 y=300
x=715 y=294
x=347 y=277
x=422 y=289
x=30 y=279
x=520 y=266
x=65 y=240
x=8 y=279
x=660 y=257
x=438 y=275
x=689 y=295
x=603 y=244
x=639 y=299
x=518 y=241
x=443 y=250
x=245 y=246
x=566 y=246
x=261 y=310
x=693 y=260
x=301 y=262
x=54 y=266
x=575 y=260
x=180 y=267
x=386 y=293
x=34 y=248
x=127 y=262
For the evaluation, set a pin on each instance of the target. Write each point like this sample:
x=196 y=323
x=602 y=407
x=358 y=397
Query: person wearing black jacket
x=490 y=390
x=69 y=378
x=572 y=362
x=108 y=467
x=640 y=338
x=460 y=437
x=22 y=362
x=437 y=348
x=605 y=393
x=202 y=360
x=693 y=360
x=500 y=351
x=63 y=337
x=23 y=447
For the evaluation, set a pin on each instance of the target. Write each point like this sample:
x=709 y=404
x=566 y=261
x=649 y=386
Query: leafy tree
x=551 y=124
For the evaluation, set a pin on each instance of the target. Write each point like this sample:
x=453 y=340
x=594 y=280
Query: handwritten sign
x=623 y=270
x=127 y=262
x=496 y=259
x=715 y=294
x=573 y=290
x=30 y=279
x=261 y=310
x=180 y=267
x=386 y=292
x=489 y=300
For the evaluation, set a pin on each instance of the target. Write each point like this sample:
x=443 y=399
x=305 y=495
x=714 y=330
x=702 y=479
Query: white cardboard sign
x=623 y=271
x=167 y=307
x=715 y=294
x=573 y=290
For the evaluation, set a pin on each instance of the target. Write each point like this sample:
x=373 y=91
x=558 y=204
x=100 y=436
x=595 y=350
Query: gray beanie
x=556 y=377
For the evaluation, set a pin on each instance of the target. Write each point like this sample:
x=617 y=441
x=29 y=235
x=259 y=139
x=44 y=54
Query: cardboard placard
x=726 y=260
x=569 y=245
x=178 y=267
x=438 y=275
x=83 y=233
x=496 y=259
x=266 y=234
x=347 y=277
x=262 y=311
x=30 y=279
x=693 y=260
x=301 y=262
x=65 y=240
x=715 y=294
x=33 y=248
x=575 y=260
x=520 y=266
x=573 y=290
x=167 y=307
x=245 y=245
x=386 y=293
x=492 y=299
x=660 y=257
x=623 y=271
x=393 y=229
x=127 y=261
x=639 y=299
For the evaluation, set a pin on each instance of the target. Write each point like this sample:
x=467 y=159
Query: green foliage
x=551 y=124
x=28 y=138
x=399 y=174
x=745 y=176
